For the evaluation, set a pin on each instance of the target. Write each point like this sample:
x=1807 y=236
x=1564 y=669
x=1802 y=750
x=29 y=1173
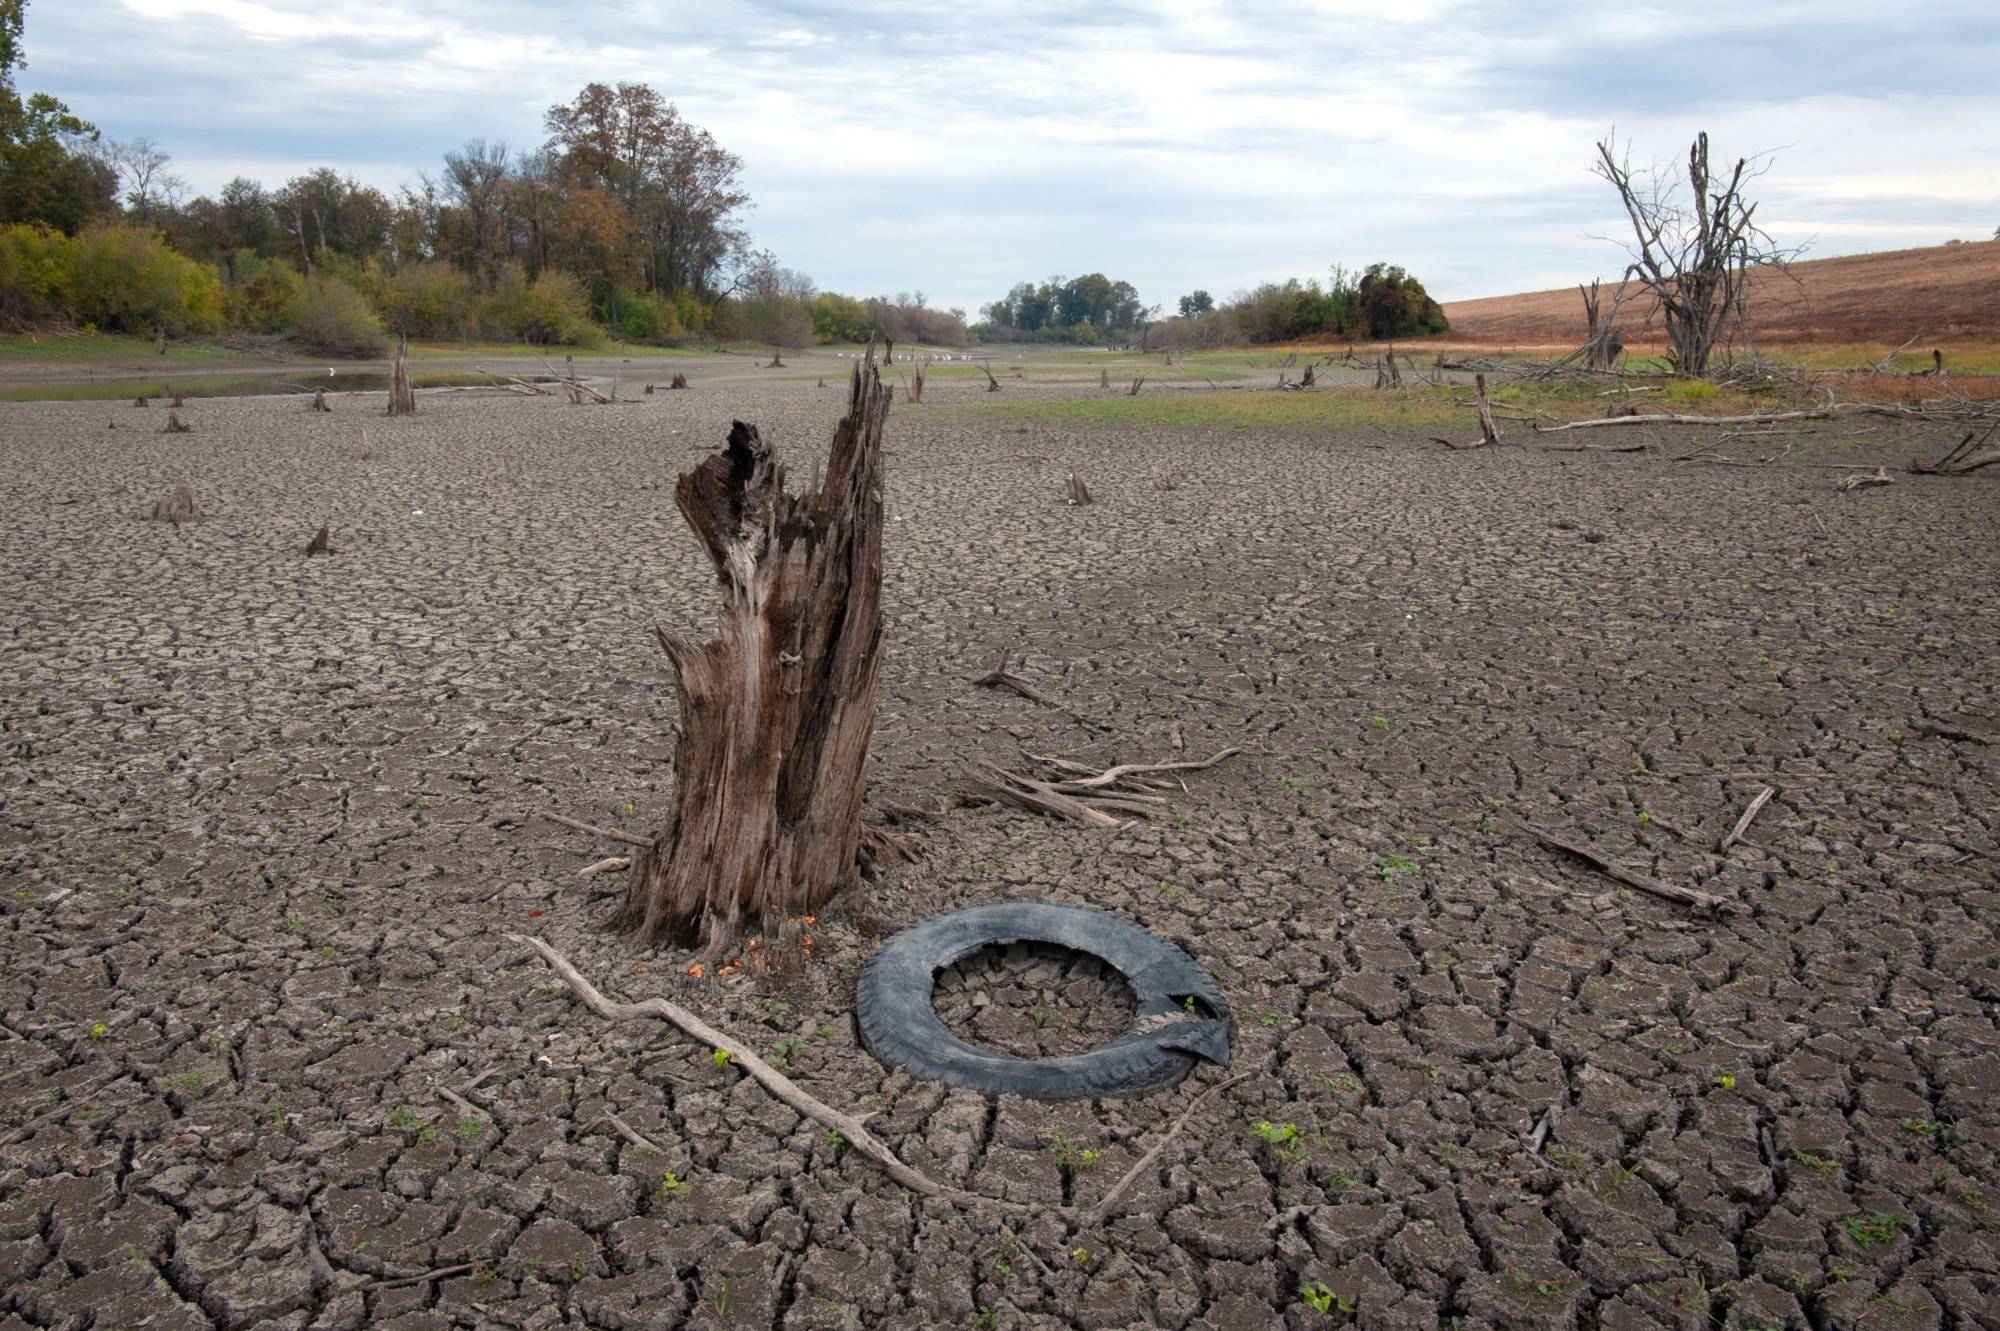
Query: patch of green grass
x=1869 y=1230
x=42 y=348
x=1246 y=410
x=1393 y=865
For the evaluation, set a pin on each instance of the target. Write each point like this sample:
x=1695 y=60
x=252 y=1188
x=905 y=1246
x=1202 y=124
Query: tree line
x=1378 y=302
x=626 y=221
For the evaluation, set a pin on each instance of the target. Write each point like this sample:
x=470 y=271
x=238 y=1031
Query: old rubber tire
x=898 y=1026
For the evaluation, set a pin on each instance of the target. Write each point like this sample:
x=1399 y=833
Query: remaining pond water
x=237 y=385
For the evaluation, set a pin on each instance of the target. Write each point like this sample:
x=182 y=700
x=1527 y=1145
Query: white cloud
x=907 y=144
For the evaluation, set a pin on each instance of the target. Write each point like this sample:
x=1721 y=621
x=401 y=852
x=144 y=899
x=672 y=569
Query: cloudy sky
x=956 y=149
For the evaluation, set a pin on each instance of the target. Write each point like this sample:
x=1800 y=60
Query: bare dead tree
x=1693 y=252
x=1602 y=342
x=777 y=712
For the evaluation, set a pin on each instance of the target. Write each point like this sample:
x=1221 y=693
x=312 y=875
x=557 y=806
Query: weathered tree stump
x=176 y=508
x=776 y=712
x=915 y=388
x=140 y=401
x=402 y=398
x=679 y=381
x=319 y=402
x=1137 y=384
x=1104 y=378
x=175 y=425
x=1077 y=493
x=992 y=384
x=320 y=544
x=176 y=401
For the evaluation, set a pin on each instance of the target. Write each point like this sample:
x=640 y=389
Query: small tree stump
x=320 y=544
x=1137 y=384
x=1104 y=378
x=140 y=401
x=177 y=401
x=992 y=384
x=319 y=402
x=176 y=508
x=175 y=425
x=402 y=398
x=679 y=381
x=915 y=390
x=777 y=712
x=1077 y=492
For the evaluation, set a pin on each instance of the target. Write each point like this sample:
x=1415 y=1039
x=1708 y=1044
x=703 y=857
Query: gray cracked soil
x=267 y=817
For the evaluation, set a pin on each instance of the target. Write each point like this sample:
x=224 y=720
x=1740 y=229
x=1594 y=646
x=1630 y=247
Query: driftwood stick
x=397 y=1282
x=1743 y=823
x=1112 y=775
x=1686 y=896
x=783 y=1087
x=633 y=1135
x=1146 y=1161
x=465 y=1106
x=609 y=864
x=608 y=833
x=77 y=1101
x=1541 y=1132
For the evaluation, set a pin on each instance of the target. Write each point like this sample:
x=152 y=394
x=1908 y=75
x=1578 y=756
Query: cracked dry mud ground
x=267 y=818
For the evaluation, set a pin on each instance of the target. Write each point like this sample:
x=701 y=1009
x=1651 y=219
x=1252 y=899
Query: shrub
x=125 y=278
x=425 y=300
x=551 y=309
x=34 y=273
x=266 y=296
x=644 y=316
x=837 y=318
x=334 y=319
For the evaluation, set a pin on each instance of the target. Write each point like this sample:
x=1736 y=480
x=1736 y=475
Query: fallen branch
x=848 y=1126
x=608 y=833
x=1084 y=797
x=1848 y=484
x=609 y=864
x=77 y=1101
x=632 y=1134
x=1962 y=459
x=465 y=1106
x=1743 y=823
x=1686 y=896
x=1146 y=1161
x=1937 y=731
x=397 y=1282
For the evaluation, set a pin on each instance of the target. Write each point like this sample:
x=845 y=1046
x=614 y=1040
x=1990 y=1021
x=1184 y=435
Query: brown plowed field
x=1944 y=292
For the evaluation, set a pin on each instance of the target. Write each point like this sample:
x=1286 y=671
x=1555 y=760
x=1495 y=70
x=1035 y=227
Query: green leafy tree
x=48 y=171
x=1195 y=304
x=1391 y=303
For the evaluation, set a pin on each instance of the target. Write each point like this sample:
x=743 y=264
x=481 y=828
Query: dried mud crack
x=265 y=821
